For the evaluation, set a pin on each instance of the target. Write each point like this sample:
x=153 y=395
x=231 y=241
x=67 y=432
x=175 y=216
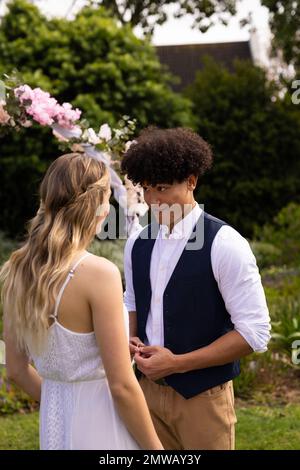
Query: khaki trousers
x=203 y=422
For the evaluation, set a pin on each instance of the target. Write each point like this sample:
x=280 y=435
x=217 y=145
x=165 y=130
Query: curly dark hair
x=166 y=155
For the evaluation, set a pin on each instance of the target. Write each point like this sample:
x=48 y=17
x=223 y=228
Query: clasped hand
x=155 y=362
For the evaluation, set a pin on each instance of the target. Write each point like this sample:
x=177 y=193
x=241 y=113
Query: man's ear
x=192 y=182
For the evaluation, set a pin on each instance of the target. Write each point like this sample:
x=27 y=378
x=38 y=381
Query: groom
x=194 y=295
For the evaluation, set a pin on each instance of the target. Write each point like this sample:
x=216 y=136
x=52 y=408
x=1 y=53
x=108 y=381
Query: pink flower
x=44 y=109
x=25 y=91
x=67 y=115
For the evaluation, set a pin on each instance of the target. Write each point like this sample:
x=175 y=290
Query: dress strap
x=70 y=275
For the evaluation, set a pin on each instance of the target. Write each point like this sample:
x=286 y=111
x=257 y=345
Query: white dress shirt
x=234 y=268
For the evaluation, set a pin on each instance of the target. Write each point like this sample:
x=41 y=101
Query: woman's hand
x=134 y=344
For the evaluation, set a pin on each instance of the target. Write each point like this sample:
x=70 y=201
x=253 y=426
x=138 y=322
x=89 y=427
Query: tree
x=255 y=139
x=148 y=13
x=92 y=62
x=285 y=25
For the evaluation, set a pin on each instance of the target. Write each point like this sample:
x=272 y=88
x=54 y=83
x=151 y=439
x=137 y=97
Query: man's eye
x=161 y=188
x=145 y=189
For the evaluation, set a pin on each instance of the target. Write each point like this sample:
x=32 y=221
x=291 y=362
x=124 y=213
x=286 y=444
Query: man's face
x=168 y=201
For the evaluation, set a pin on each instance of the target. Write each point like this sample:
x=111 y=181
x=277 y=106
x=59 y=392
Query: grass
x=258 y=428
x=268 y=428
x=19 y=432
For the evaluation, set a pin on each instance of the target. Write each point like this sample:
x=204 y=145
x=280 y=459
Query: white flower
x=92 y=136
x=118 y=133
x=105 y=132
x=129 y=144
x=85 y=135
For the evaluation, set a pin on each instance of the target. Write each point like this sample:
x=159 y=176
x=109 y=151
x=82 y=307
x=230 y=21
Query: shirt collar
x=183 y=228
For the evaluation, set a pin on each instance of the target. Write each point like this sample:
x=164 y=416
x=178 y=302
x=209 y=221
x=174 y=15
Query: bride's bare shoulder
x=101 y=267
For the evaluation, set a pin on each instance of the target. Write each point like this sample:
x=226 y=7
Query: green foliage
x=280 y=283
x=243 y=384
x=91 y=62
x=266 y=254
x=282 y=288
x=6 y=247
x=284 y=234
x=255 y=139
x=147 y=13
x=284 y=20
x=12 y=398
x=285 y=325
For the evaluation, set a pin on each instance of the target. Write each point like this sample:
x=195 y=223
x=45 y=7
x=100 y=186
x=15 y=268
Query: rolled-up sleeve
x=239 y=281
x=129 y=297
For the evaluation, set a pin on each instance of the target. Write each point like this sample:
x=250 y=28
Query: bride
x=63 y=310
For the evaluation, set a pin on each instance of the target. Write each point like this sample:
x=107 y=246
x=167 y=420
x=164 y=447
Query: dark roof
x=184 y=60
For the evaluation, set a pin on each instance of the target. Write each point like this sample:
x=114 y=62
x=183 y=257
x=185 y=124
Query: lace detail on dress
x=55 y=419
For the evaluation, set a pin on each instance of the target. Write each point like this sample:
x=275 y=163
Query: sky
x=178 y=31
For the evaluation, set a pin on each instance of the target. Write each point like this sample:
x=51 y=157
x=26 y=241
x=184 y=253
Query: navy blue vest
x=193 y=308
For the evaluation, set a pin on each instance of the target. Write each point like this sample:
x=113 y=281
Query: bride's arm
x=106 y=302
x=18 y=368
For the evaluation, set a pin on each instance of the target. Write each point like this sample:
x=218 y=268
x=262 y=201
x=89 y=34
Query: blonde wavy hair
x=71 y=193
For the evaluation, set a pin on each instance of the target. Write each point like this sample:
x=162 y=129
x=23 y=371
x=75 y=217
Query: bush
x=94 y=63
x=285 y=325
x=243 y=384
x=7 y=245
x=266 y=254
x=12 y=398
x=284 y=235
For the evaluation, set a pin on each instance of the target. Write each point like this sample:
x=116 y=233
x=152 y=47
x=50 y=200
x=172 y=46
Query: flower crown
x=21 y=106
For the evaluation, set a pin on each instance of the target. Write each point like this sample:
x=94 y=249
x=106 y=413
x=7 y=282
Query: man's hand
x=134 y=344
x=155 y=361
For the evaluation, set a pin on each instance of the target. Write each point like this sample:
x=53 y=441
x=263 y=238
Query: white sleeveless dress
x=77 y=410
